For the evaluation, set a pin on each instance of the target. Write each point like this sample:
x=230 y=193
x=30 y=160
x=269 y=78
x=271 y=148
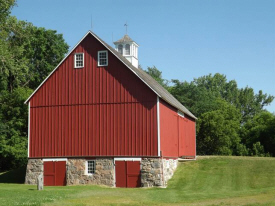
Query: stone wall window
x=90 y=167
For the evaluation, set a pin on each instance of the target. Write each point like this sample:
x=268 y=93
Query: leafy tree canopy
x=27 y=55
x=231 y=120
x=157 y=75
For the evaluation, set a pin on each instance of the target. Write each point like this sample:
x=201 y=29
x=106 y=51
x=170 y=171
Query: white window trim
x=98 y=60
x=77 y=67
x=181 y=114
x=86 y=167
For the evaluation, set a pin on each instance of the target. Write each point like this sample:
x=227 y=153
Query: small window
x=79 y=60
x=120 y=49
x=102 y=58
x=127 y=49
x=90 y=167
x=181 y=114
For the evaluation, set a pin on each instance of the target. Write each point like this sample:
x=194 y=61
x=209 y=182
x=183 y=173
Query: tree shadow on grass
x=16 y=176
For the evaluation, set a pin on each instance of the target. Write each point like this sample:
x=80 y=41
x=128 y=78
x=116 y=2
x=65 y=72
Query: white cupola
x=128 y=48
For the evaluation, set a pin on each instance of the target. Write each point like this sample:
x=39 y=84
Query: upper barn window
x=78 y=60
x=102 y=58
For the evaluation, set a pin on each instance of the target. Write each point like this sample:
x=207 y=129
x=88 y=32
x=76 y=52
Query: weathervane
x=126 y=25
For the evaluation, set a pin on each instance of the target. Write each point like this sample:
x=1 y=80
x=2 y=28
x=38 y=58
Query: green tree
x=27 y=55
x=218 y=130
x=259 y=134
x=13 y=124
x=200 y=96
x=31 y=53
x=197 y=99
x=251 y=104
x=5 y=8
x=157 y=75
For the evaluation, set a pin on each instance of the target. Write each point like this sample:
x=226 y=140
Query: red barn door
x=55 y=173
x=127 y=173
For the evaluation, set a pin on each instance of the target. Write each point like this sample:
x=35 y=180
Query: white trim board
x=128 y=159
x=29 y=123
x=55 y=159
x=158 y=126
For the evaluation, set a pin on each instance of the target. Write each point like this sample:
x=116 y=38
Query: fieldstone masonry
x=151 y=172
x=34 y=169
x=156 y=171
x=104 y=172
x=169 y=167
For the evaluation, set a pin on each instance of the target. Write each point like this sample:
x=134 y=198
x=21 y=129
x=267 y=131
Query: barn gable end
x=102 y=118
x=93 y=110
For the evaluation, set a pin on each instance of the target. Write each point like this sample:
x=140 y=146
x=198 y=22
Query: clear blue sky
x=184 y=39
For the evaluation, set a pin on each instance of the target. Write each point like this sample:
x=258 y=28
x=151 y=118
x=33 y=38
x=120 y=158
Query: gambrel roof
x=146 y=78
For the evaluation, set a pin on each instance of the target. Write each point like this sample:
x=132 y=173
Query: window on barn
x=78 y=60
x=102 y=58
x=90 y=167
x=181 y=114
x=120 y=49
x=127 y=49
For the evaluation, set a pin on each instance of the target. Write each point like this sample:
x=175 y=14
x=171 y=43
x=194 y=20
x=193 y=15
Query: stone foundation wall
x=151 y=172
x=156 y=171
x=169 y=167
x=104 y=172
x=34 y=169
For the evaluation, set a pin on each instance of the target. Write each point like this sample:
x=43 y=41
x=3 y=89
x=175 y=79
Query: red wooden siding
x=187 y=135
x=177 y=134
x=93 y=111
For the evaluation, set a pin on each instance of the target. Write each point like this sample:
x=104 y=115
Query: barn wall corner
x=34 y=169
x=157 y=171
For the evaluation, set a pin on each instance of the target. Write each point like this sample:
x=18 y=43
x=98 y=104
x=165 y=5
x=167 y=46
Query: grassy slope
x=207 y=181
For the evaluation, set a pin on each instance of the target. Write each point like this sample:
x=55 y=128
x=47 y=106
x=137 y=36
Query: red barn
x=99 y=119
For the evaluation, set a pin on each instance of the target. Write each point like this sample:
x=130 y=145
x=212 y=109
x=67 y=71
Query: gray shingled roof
x=125 y=38
x=163 y=93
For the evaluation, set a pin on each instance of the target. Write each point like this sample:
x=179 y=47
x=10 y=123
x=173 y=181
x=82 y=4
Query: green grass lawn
x=207 y=181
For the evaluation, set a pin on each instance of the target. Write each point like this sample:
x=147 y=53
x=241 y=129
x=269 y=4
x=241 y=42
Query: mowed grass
x=207 y=181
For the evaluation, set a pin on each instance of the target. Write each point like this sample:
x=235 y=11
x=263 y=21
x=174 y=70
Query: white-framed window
x=127 y=49
x=181 y=114
x=78 y=60
x=90 y=167
x=120 y=49
x=102 y=58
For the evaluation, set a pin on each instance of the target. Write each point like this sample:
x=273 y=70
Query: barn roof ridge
x=146 y=78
